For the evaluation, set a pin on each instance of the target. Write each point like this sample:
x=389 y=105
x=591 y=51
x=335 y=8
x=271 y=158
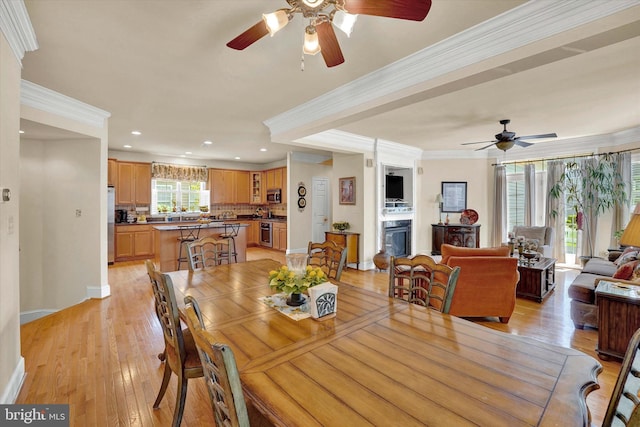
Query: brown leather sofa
x=487 y=281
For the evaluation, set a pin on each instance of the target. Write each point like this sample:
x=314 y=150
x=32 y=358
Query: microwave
x=274 y=196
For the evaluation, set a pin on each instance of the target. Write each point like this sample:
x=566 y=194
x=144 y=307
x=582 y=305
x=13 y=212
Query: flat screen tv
x=394 y=187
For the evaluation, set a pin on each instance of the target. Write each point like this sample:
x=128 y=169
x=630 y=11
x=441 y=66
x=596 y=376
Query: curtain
x=555 y=169
x=620 y=219
x=529 y=194
x=179 y=172
x=499 y=205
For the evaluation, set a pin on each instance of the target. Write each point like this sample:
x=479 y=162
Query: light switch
x=6 y=194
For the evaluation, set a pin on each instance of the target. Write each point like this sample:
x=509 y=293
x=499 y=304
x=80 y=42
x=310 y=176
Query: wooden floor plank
x=100 y=356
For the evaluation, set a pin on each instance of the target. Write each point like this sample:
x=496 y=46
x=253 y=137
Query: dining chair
x=220 y=371
x=328 y=256
x=421 y=280
x=151 y=269
x=182 y=355
x=208 y=252
x=624 y=405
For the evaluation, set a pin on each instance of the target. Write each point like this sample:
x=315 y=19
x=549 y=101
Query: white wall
x=11 y=362
x=59 y=178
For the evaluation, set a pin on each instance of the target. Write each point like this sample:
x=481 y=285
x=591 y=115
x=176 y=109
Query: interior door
x=320 y=208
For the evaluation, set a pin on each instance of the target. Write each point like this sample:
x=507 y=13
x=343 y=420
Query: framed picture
x=348 y=190
x=454 y=196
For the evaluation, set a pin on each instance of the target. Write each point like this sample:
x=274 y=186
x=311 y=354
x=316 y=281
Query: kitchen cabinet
x=112 y=172
x=133 y=183
x=258 y=195
x=229 y=186
x=454 y=234
x=277 y=178
x=253 y=233
x=134 y=242
x=279 y=236
x=348 y=240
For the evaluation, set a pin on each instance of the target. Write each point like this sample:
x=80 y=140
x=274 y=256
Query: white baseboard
x=10 y=393
x=98 y=292
x=29 y=316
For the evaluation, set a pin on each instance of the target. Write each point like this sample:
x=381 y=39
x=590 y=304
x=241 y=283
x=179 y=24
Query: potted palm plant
x=590 y=187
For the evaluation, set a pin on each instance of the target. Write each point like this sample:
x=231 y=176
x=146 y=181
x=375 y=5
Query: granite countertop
x=173 y=227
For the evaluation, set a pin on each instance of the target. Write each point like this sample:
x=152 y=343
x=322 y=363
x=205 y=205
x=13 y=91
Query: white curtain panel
x=621 y=213
x=500 y=206
x=529 y=194
x=555 y=168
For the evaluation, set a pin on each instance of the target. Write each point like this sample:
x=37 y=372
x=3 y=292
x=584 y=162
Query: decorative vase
x=381 y=260
x=295 y=299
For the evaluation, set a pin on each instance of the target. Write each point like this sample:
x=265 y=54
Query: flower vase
x=295 y=299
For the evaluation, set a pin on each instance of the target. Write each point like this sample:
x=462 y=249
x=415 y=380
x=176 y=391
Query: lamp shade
x=631 y=235
x=344 y=21
x=275 y=21
x=311 y=43
x=439 y=198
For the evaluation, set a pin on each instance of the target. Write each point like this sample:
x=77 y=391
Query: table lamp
x=439 y=201
x=631 y=235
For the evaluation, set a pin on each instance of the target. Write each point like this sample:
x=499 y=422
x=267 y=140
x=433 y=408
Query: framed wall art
x=454 y=196
x=348 y=190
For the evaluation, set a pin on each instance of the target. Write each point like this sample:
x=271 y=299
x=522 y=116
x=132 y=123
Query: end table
x=618 y=317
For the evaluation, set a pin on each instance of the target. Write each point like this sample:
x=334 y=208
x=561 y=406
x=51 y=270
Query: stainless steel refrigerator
x=111 y=214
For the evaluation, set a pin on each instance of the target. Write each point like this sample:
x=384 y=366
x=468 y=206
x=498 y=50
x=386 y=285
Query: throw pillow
x=626 y=271
x=626 y=257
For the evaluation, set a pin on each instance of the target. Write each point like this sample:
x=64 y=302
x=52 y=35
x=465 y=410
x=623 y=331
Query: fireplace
x=397 y=237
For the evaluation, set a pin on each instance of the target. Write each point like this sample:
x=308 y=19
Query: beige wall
x=60 y=251
x=11 y=363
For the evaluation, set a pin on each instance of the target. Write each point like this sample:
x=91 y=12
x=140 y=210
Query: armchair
x=542 y=235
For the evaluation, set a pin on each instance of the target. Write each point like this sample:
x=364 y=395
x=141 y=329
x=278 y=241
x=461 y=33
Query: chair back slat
x=169 y=317
x=329 y=257
x=220 y=371
x=624 y=406
x=207 y=252
x=420 y=280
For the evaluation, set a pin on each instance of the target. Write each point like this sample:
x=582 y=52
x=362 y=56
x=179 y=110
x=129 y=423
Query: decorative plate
x=302 y=191
x=469 y=217
x=302 y=202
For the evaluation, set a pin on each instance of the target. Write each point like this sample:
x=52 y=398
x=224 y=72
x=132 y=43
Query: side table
x=618 y=317
x=537 y=278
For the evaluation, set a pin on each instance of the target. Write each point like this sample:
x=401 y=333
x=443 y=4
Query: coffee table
x=537 y=278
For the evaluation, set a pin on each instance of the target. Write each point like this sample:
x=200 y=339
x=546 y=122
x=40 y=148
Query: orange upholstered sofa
x=487 y=281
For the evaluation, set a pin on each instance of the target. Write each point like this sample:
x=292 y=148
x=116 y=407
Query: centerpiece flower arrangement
x=341 y=225
x=288 y=281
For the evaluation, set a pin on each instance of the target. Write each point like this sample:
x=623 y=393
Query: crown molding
x=41 y=98
x=417 y=72
x=16 y=27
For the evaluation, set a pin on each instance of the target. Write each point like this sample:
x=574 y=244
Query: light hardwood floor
x=100 y=356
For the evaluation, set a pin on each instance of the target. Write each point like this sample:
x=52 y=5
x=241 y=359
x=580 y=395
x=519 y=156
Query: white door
x=320 y=208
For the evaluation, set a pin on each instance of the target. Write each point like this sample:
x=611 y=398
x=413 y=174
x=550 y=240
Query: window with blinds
x=635 y=180
x=169 y=195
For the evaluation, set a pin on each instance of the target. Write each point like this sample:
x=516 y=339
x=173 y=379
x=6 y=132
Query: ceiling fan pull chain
x=302 y=61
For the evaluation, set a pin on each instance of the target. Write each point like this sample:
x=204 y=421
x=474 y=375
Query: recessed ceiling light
x=237 y=158
x=263 y=149
x=182 y=155
x=188 y=152
x=20 y=131
x=127 y=146
x=207 y=142
x=136 y=132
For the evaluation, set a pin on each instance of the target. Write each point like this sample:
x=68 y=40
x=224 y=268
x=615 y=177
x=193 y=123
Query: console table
x=348 y=240
x=454 y=234
x=618 y=317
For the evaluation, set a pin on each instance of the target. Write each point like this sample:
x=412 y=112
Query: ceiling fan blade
x=479 y=142
x=413 y=10
x=484 y=148
x=522 y=143
x=329 y=46
x=249 y=37
x=545 y=135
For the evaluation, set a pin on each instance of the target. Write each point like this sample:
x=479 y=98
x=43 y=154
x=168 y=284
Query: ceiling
x=162 y=67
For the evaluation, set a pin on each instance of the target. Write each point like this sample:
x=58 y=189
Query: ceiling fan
x=505 y=139
x=319 y=34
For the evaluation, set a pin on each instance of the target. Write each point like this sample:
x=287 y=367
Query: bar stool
x=230 y=233
x=188 y=234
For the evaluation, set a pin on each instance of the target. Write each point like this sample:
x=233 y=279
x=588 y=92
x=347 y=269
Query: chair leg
x=181 y=397
x=163 y=387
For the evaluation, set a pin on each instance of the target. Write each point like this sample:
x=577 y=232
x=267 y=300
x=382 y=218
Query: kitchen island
x=167 y=244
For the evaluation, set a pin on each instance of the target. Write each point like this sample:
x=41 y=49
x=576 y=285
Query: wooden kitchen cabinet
x=279 y=236
x=229 y=186
x=133 y=183
x=112 y=172
x=277 y=178
x=258 y=195
x=134 y=242
x=253 y=233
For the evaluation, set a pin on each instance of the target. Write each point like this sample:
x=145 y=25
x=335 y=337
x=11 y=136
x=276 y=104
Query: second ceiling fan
x=323 y=15
x=506 y=140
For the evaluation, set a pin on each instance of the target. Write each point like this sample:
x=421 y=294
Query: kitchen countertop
x=174 y=227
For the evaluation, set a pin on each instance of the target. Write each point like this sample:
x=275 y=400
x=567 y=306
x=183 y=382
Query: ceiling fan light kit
x=505 y=140
x=323 y=15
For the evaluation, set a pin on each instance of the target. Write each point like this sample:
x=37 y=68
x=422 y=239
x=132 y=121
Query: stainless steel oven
x=266 y=234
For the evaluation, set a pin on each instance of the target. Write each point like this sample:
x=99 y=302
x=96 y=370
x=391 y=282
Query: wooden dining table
x=382 y=361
